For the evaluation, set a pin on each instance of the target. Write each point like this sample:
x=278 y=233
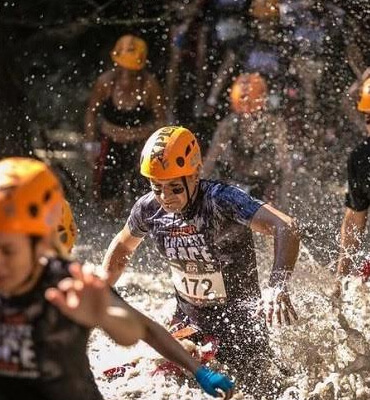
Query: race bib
x=199 y=289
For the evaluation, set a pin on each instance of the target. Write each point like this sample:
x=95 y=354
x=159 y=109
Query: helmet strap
x=190 y=199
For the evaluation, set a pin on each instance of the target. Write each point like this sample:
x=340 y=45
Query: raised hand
x=276 y=305
x=84 y=298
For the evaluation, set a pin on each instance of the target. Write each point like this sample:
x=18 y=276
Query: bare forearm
x=158 y=338
x=115 y=261
x=349 y=244
x=352 y=230
x=286 y=253
x=90 y=127
x=122 y=326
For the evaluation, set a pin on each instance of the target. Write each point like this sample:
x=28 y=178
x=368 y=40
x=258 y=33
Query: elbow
x=137 y=332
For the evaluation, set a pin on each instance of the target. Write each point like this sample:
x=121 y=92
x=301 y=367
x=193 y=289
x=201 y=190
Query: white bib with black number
x=200 y=289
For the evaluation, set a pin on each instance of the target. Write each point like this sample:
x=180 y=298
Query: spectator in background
x=249 y=146
x=358 y=196
x=130 y=103
x=260 y=50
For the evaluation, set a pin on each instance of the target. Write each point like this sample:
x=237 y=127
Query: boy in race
x=204 y=230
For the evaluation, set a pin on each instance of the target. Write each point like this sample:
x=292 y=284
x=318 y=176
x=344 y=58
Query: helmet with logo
x=67 y=229
x=364 y=104
x=170 y=152
x=130 y=52
x=248 y=93
x=30 y=197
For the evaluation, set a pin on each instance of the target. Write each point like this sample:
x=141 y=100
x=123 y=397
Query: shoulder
x=223 y=193
x=106 y=79
x=230 y=201
x=145 y=206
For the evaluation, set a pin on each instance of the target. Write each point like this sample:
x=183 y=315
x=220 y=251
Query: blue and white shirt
x=209 y=248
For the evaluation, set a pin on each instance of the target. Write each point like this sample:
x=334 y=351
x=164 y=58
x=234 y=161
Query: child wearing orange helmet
x=44 y=330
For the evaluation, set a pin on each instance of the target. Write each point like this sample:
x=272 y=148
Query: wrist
x=195 y=366
x=200 y=372
x=279 y=279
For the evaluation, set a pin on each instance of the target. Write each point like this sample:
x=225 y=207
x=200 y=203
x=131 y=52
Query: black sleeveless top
x=126 y=118
x=43 y=353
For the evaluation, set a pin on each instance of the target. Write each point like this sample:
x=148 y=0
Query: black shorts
x=242 y=344
x=118 y=171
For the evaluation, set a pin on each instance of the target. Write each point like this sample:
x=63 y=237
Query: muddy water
x=326 y=352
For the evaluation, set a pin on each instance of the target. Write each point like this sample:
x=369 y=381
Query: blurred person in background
x=256 y=45
x=249 y=147
x=357 y=199
x=130 y=103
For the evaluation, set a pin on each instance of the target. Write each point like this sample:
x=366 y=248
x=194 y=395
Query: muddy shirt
x=42 y=353
x=210 y=248
x=358 y=196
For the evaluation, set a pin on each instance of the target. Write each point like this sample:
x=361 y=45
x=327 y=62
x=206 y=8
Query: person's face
x=16 y=261
x=252 y=97
x=126 y=45
x=171 y=194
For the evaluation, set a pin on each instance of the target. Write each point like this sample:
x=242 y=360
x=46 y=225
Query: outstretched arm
x=88 y=300
x=119 y=253
x=270 y=221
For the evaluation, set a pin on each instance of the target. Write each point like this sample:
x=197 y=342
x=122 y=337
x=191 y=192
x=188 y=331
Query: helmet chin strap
x=190 y=199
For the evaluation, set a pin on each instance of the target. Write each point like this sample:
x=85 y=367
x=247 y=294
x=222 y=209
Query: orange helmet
x=130 y=52
x=170 y=152
x=30 y=197
x=364 y=104
x=248 y=93
x=67 y=229
x=264 y=9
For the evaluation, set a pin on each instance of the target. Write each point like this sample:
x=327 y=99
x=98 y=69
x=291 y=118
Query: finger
x=278 y=313
x=258 y=312
x=66 y=284
x=291 y=310
x=75 y=270
x=286 y=316
x=72 y=300
x=270 y=312
x=259 y=309
x=57 y=298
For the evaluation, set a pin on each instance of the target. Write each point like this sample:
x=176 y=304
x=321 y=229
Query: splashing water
x=326 y=352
